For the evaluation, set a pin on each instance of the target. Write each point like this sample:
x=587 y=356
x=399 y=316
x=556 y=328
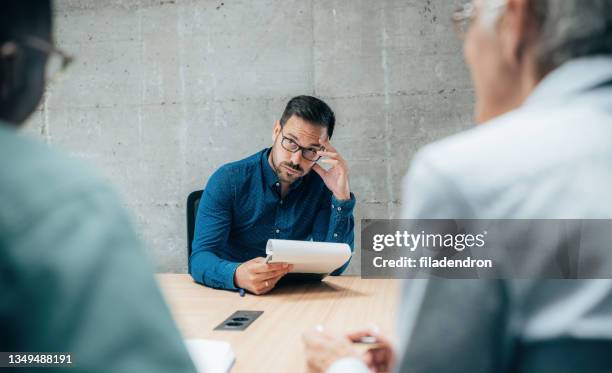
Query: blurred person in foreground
x=74 y=277
x=542 y=71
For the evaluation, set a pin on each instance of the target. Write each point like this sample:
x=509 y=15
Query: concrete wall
x=164 y=92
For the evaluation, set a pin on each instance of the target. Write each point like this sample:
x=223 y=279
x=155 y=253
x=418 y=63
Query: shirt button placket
x=279 y=216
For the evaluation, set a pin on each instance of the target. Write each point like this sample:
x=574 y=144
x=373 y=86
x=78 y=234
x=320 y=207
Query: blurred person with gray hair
x=542 y=71
x=74 y=277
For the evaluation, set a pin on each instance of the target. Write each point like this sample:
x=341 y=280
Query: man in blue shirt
x=273 y=194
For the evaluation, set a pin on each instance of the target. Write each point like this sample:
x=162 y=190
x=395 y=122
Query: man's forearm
x=342 y=225
x=210 y=270
x=341 y=221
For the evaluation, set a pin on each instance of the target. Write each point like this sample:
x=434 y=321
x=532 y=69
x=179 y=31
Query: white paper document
x=210 y=356
x=308 y=256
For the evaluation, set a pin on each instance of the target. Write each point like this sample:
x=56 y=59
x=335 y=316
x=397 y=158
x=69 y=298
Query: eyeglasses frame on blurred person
x=52 y=72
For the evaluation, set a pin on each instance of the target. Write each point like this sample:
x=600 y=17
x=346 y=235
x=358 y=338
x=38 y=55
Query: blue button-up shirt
x=241 y=208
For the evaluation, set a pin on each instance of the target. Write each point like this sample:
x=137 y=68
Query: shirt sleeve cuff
x=343 y=207
x=230 y=270
x=348 y=365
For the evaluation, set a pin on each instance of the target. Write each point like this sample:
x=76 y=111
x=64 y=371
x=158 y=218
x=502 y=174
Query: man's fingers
x=328 y=154
x=272 y=274
x=332 y=162
x=268 y=267
x=261 y=287
x=274 y=281
x=265 y=284
x=320 y=170
x=325 y=142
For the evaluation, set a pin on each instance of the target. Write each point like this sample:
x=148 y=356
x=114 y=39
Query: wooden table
x=273 y=342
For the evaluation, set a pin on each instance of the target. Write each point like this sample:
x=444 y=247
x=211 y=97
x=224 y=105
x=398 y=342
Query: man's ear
x=276 y=130
x=515 y=30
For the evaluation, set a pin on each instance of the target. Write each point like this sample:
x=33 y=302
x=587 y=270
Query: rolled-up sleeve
x=335 y=223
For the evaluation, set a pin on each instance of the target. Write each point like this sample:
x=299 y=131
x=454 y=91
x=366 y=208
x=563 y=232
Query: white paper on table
x=210 y=356
x=308 y=256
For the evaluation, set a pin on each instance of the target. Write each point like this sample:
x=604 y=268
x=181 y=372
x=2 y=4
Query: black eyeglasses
x=57 y=60
x=293 y=147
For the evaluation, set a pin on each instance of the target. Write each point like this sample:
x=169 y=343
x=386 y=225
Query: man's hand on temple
x=335 y=178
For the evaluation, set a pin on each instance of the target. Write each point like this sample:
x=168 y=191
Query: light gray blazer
x=549 y=159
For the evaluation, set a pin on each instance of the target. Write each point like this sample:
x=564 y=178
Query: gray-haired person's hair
x=570 y=29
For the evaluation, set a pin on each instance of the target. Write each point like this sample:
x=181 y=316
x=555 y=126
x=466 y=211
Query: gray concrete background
x=164 y=92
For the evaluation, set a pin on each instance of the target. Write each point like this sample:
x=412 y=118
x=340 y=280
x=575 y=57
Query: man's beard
x=282 y=174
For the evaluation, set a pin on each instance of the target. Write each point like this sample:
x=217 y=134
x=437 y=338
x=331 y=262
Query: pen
x=367 y=343
x=241 y=291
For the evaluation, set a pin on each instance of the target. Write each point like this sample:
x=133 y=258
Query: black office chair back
x=193 y=201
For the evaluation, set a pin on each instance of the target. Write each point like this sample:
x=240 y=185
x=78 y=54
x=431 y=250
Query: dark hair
x=312 y=110
x=21 y=18
x=22 y=69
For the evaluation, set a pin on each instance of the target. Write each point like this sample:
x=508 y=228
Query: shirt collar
x=571 y=78
x=269 y=175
